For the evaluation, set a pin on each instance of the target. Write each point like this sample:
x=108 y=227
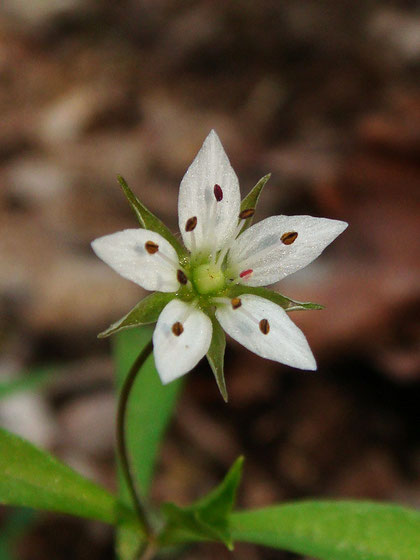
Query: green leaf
x=284 y=302
x=30 y=380
x=333 y=530
x=207 y=519
x=146 y=311
x=149 y=410
x=33 y=478
x=251 y=199
x=148 y=220
x=219 y=502
x=215 y=356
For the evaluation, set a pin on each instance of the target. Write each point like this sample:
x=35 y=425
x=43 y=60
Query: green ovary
x=208 y=278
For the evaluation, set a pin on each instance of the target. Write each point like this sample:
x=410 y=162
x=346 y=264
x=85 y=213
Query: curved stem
x=121 y=436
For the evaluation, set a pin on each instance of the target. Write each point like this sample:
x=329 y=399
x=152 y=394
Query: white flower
x=219 y=280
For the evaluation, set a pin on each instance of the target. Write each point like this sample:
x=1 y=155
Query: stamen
x=218 y=193
x=246 y=313
x=289 y=237
x=212 y=220
x=243 y=276
x=211 y=224
x=181 y=277
x=191 y=224
x=247 y=213
x=221 y=255
x=236 y=303
x=177 y=328
x=190 y=227
x=151 y=247
x=264 y=326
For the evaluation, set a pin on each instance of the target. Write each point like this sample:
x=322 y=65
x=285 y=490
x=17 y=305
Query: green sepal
x=251 y=199
x=145 y=312
x=206 y=519
x=216 y=354
x=286 y=303
x=148 y=220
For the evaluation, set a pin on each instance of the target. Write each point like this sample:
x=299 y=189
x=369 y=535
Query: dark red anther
x=289 y=237
x=151 y=247
x=177 y=328
x=181 y=277
x=236 y=302
x=191 y=224
x=246 y=273
x=248 y=213
x=218 y=193
x=264 y=326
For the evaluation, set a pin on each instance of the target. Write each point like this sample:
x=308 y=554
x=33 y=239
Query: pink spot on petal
x=218 y=193
x=245 y=273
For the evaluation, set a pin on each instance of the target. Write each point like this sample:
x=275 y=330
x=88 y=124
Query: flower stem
x=121 y=438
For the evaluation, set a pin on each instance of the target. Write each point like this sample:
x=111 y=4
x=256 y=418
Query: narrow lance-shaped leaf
x=207 y=519
x=148 y=220
x=33 y=478
x=216 y=354
x=286 y=303
x=145 y=312
x=219 y=502
x=251 y=199
x=333 y=530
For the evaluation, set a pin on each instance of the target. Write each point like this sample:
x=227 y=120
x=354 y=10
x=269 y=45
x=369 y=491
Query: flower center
x=208 y=278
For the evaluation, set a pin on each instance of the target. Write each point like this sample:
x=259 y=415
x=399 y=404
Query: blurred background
x=325 y=95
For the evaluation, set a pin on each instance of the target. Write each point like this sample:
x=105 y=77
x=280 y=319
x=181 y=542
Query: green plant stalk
x=121 y=438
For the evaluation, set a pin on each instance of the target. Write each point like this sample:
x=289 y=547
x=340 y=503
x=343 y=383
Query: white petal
x=260 y=247
x=125 y=252
x=284 y=343
x=216 y=221
x=177 y=355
